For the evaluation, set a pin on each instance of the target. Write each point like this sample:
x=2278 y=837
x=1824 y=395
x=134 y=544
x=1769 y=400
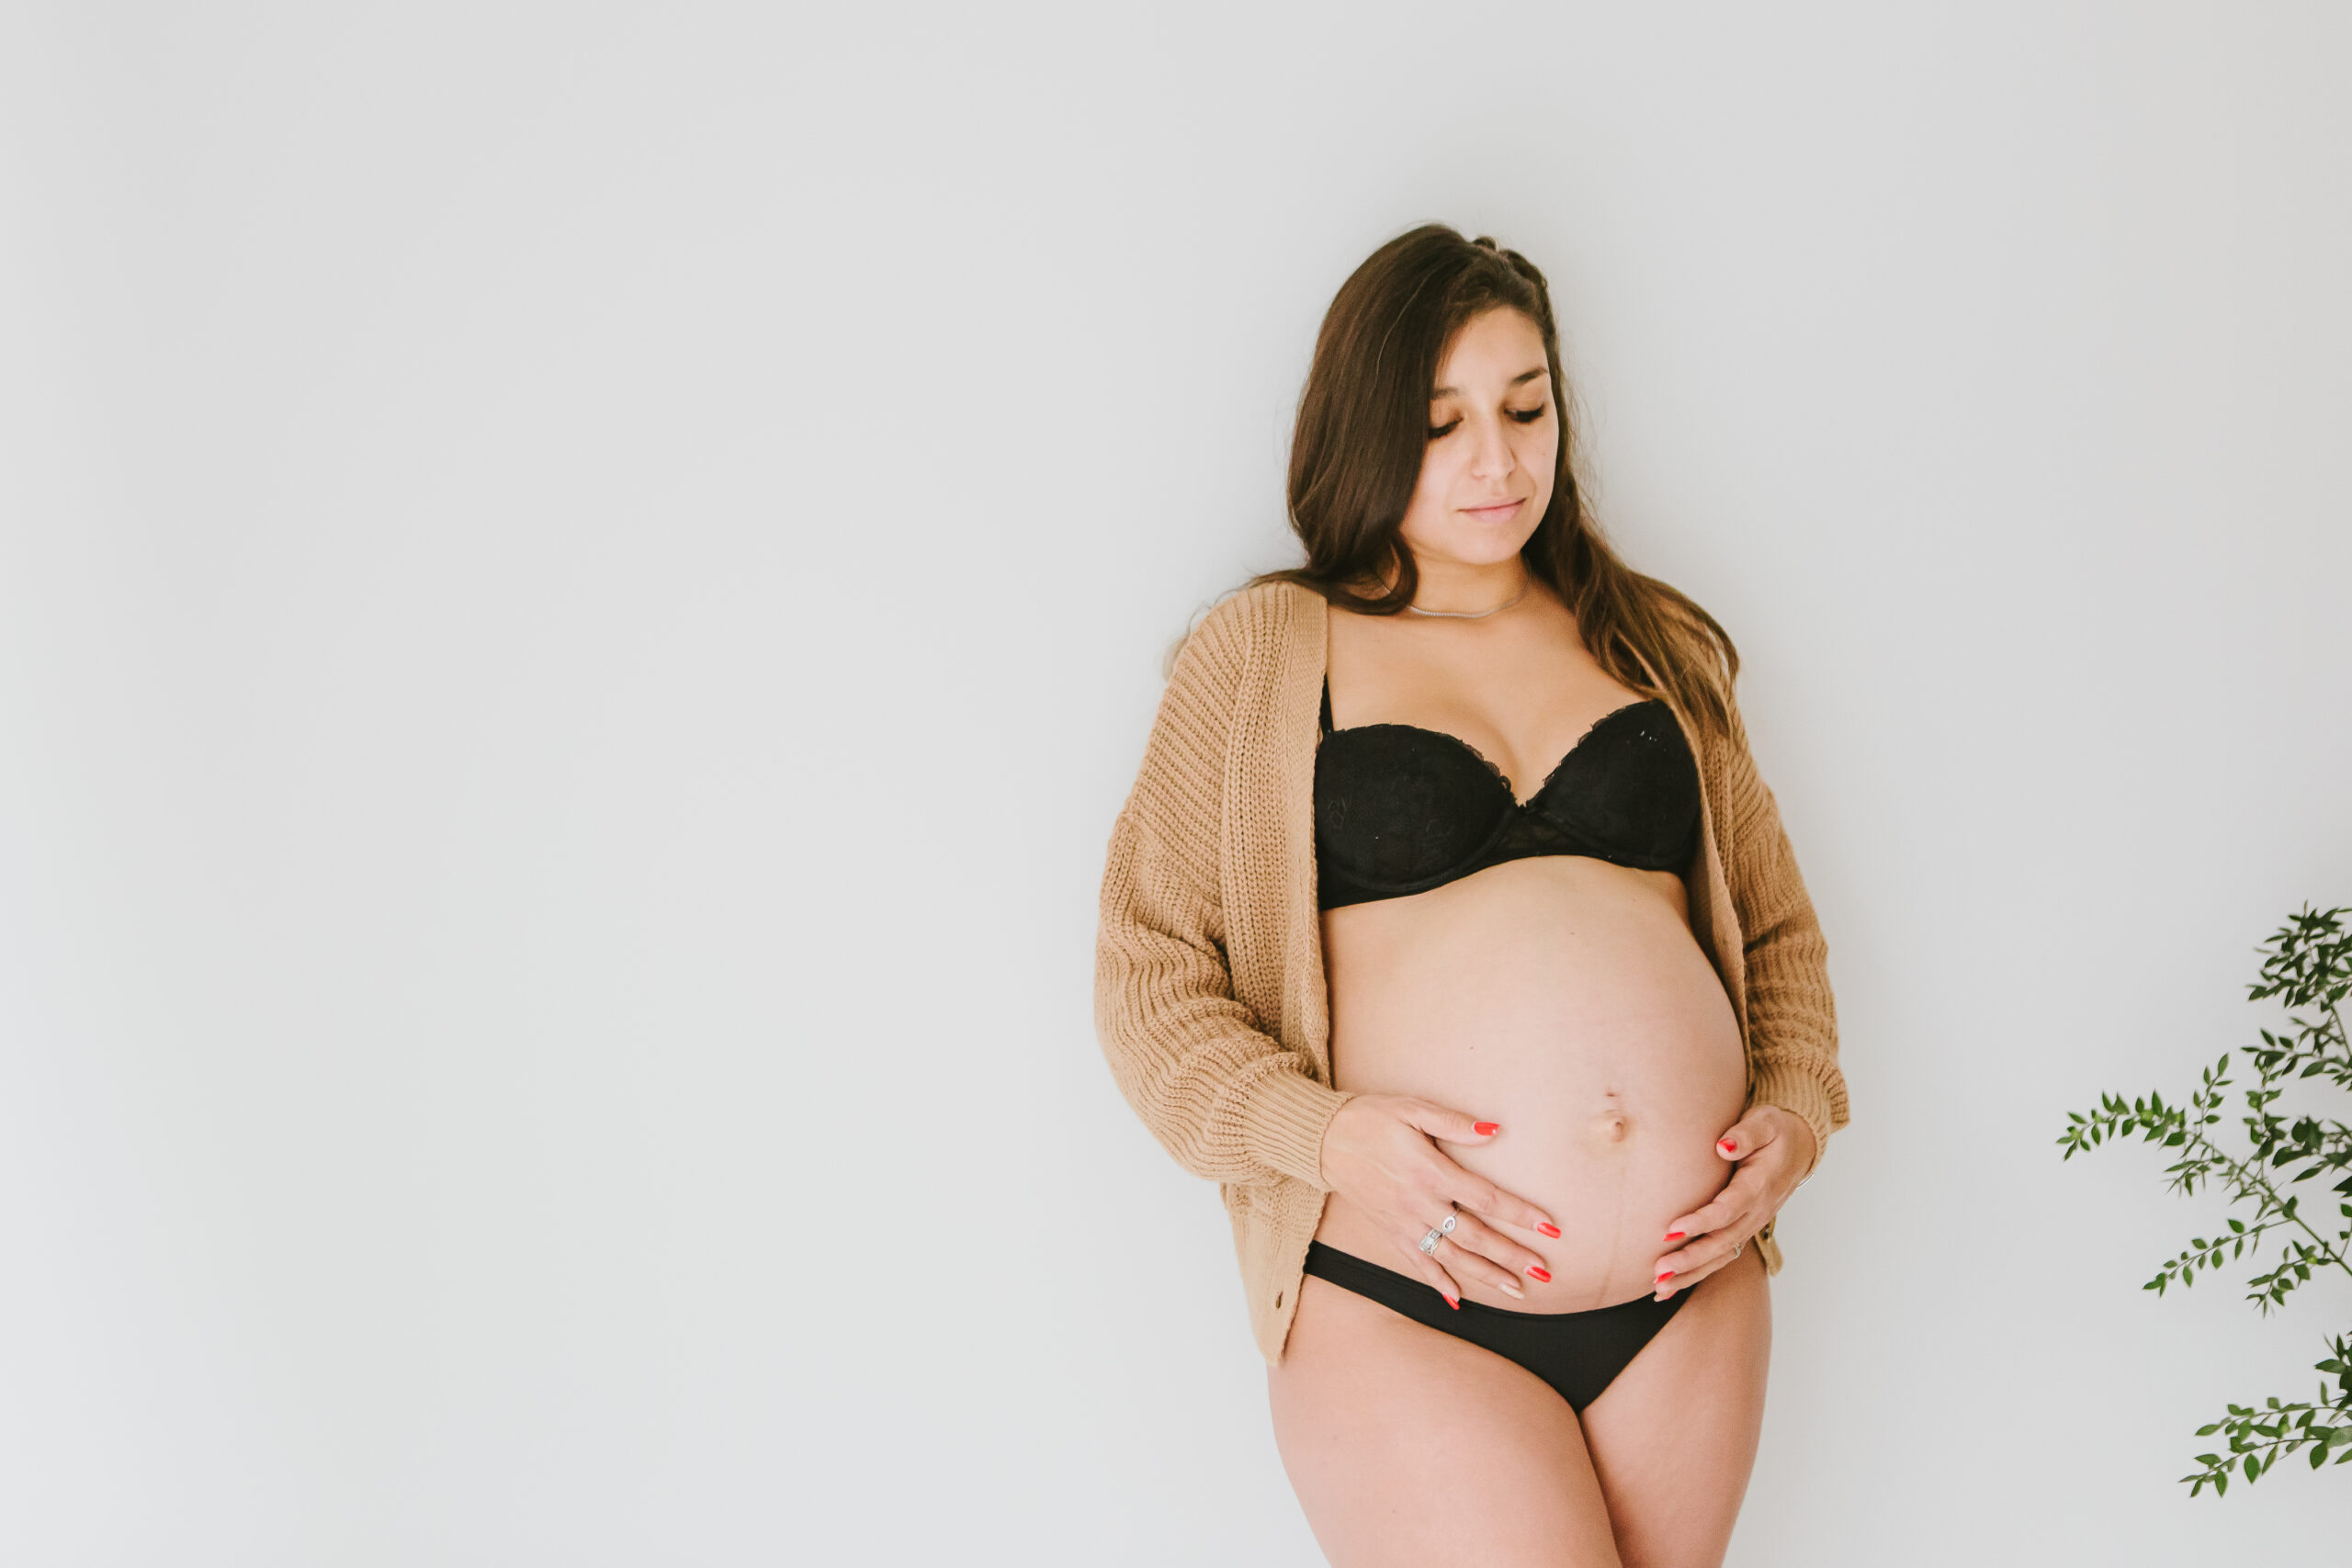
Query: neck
x=1451 y=586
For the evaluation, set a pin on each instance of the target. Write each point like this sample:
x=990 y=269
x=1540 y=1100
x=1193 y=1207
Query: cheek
x=1538 y=454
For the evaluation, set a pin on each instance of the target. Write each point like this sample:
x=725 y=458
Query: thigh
x=1410 y=1446
x=1673 y=1438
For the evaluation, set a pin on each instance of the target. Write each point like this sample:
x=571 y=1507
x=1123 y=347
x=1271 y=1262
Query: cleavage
x=1503 y=778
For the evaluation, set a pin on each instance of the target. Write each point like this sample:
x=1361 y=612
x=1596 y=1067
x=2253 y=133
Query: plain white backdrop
x=578 y=588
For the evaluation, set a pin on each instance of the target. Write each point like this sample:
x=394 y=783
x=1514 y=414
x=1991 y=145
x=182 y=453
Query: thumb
x=1746 y=1136
x=1442 y=1122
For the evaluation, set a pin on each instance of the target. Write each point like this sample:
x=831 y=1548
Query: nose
x=1493 y=457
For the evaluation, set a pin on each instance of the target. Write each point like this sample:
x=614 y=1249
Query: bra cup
x=1633 y=791
x=1395 y=805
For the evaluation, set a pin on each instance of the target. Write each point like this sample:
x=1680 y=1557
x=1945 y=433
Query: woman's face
x=1494 y=444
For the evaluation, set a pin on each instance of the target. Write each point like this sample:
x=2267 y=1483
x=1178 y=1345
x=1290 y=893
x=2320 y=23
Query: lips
x=1493 y=513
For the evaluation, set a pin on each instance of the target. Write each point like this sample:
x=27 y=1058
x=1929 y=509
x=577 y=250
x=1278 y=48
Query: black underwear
x=1579 y=1353
x=1399 y=809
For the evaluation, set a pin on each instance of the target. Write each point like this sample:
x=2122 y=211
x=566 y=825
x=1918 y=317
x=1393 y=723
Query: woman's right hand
x=1380 y=1152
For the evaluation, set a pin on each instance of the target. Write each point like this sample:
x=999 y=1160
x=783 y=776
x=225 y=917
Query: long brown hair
x=1363 y=429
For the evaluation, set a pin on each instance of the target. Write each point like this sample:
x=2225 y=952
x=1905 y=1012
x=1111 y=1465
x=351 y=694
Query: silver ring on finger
x=1437 y=1233
x=1738 y=1250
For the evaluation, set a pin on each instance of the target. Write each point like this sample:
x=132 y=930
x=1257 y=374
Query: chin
x=1486 y=547
x=1462 y=542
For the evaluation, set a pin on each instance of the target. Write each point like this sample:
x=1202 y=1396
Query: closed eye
x=1524 y=416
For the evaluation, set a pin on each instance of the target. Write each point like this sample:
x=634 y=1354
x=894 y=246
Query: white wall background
x=577 y=592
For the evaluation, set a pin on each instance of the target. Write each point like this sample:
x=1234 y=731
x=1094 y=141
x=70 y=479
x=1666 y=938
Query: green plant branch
x=2260 y=1439
x=2308 y=966
x=2170 y=1127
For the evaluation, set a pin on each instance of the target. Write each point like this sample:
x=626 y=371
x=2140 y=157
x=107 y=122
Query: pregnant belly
x=1566 y=1000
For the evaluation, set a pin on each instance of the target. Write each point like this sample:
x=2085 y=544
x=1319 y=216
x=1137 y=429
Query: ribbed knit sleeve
x=1224 y=1095
x=1792 y=1017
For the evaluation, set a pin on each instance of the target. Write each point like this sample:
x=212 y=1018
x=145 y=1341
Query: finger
x=1472 y=1234
x=1467 y=1266
x=1738 y=1210
x=1718 y=1255
x=1458 y=1266
x=1433 y=1274
x=1725 y=1207
x=1762 y=1182
x=1750 y=1186
x=1444 y=1121
x=1702 y=1255
x=1741 y=1207
x=1687 y=1261
x=1467 y=1189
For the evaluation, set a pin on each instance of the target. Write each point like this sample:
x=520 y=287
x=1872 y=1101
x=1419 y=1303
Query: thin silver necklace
x=1474 y=614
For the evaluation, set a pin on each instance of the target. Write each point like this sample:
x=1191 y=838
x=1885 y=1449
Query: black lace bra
x=1399 y=809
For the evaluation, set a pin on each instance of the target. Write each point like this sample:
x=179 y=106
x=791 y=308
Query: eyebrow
x=1521 y=379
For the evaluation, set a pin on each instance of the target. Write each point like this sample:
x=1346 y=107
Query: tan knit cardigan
x=1208 y=980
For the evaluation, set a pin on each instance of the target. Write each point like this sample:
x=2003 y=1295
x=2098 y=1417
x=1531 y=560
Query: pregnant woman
x=1449 y=928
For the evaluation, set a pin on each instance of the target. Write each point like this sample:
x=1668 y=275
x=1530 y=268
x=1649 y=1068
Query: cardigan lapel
x=1304 y=652
x=1715 y=920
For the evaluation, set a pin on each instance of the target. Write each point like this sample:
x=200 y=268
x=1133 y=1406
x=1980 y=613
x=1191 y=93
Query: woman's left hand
x=1773 y=1148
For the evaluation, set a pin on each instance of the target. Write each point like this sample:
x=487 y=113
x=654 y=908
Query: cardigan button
x=1277 y=1300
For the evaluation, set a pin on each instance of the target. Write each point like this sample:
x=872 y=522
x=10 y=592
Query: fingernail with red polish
x=1726 y=1145
x=1539 y=1275
x=1546 y=1227
x=1454 y=1303
x=1662 y=1279
x=1676 y=1236
x=1486 y=1129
